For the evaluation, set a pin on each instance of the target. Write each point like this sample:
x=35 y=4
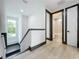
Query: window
x=11 y=28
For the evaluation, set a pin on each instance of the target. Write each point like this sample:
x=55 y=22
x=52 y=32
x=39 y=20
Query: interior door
x=72 y=26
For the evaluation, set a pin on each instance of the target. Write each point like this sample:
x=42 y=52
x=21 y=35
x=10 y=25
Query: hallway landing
x=52 y=50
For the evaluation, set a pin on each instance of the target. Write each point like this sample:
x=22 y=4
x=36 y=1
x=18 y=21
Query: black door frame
x=77 y=23
x=62 y=24
x=49 y=24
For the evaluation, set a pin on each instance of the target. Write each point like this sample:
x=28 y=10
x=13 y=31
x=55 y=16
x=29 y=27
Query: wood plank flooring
x=52 y=50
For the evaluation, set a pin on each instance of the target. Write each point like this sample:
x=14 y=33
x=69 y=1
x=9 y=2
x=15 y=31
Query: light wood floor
x=52 y=50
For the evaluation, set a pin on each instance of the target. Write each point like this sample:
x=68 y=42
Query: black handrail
x=28 y=32
x=25 y=35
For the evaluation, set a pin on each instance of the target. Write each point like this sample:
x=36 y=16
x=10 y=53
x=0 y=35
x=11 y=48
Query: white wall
x=2 y=27
x=20 y=29
x=35 y=9
x=37 y=21
x=2 y=17
x=37 y=37
x=26 y=42
x=24 y=22
x=10 y=10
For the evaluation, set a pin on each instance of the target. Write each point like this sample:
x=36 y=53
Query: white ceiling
x=18 y=7
x=52 y=4
x=15 y=6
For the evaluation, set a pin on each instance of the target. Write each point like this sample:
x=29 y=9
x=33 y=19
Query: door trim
x=78 y=27
x=49 y=24
x=77 y=23
x=62 y=23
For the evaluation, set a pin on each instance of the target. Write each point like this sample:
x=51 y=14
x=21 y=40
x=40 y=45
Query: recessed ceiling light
x=22 y=10
x=61 y=2
x=25 y=1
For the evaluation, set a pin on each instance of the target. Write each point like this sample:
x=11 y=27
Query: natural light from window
x=11 y=28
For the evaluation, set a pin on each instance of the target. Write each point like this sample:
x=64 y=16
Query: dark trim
x=49 y=24
x=48 y=39
x=78 y=27
x=48 y=11
x=25 y=50
x=29 y=31
x=5 y=38
x=65 y=26
x=36 y=29
x=72 y=6
x=19 y=52
x=12 y=53
x=25 y=35
x=62 y=23
x=13 y=44
x=58 y=11
x=77 y=23
x=33 y=48
x=51 y=27
x=45 y=25
x=0 y=57
x=37 y=46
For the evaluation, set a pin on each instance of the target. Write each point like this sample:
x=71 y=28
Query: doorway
x=48 y=25
x=72 y=26
x=58 y=26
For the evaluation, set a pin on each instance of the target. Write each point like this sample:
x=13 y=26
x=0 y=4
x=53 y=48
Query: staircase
x=12 y=49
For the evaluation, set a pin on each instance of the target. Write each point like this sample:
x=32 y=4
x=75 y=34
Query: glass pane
x=11 y=28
